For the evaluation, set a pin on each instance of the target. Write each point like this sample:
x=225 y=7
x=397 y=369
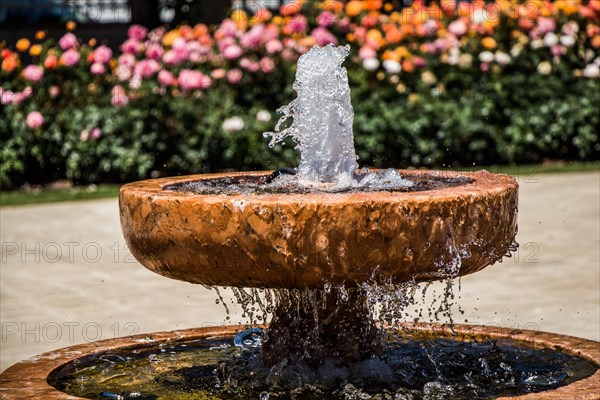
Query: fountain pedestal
x=313 y=325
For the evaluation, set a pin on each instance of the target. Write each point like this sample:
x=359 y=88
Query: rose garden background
x=435 y=85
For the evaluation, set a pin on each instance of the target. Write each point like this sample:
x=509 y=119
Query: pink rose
x=419 y=62
x=218 y=73
x=326 y=18
x=7 y=97
x=298 y=24
x=288 y=55
x=232 y=52
x=228 y=28
x=190 y=79
x=179 y=44
x=146 y=68
x=367 y=52
x=53 y=91
x=458 y=27
x=271 y=32
x=234 y=76
x=70 y=57
x=95 y=133
x=253 y=37
x=102 y=54
x=119 y=96
x=165 y=78
x=344 y=24
x=170 y=58
x=225 y=43
x=323 y=37
x=123 y=72
x=131 y=46
x=248 y=64
x=273 y=46
x=137 y=32
x=266 y=65
x=545 y=25
x=156 y=34
x=97 y=68
x=155 y=51
x=33 y=73
x=127 y=60
x=34 y=120
x=68 y=41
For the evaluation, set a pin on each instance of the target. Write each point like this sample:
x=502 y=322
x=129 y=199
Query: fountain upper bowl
x=308 y=240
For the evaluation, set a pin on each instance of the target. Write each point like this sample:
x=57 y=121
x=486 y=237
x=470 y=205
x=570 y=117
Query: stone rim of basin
x=311 y=239
x=38 y=369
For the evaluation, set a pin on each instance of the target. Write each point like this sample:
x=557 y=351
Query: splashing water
x=322 y=125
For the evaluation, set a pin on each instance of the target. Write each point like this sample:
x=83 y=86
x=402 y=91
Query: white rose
x=233 y=124
x=370 y=63
x=454 y=56
x=589 y=54
x=263 y=116
x=516 y=50
x=550 y=39
x=544 y=68
x=392 y=66
x=591 y=71
x=465 y=60
x=502 y=58
x=479 y=16
x=486 y=56
x=536 y=44
x=567 y=40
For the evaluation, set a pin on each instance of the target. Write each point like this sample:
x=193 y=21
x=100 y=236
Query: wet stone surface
x=253 y=184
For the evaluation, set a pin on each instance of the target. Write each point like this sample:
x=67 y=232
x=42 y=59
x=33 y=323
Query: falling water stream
x=406 y=366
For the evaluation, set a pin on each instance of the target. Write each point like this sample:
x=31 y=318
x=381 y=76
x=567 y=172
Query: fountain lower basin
x=40 y=368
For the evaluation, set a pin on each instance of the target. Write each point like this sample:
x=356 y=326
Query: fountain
x=324 y=247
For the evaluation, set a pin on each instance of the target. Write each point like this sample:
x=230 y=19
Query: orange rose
x=407 y=66
x=373 y=5
x=200 y=30
x=10 y=63
x=23 y=44
x=35 y=50
x=262 y=15
x=71 y=25
x=170 y=37
x=51 y=62
x=354 y=7
x=40 y=35
x=488 y=42
x=393 y=36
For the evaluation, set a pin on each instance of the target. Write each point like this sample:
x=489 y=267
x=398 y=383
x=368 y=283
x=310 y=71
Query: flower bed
x=432 y=85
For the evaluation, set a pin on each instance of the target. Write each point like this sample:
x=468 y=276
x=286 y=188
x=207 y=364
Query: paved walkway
x=66 y=277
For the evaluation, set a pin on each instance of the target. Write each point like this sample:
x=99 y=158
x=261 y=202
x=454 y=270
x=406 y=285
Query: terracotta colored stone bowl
x=307 y=240
x=28 y=379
